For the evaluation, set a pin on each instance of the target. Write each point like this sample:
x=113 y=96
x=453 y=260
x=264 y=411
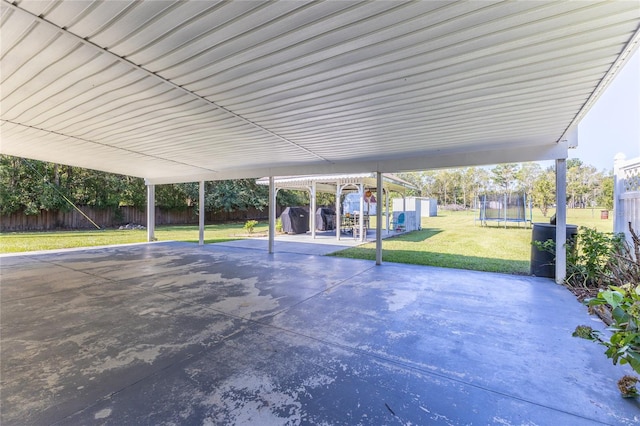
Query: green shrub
x=589 y=263
x=588 y=257
x=624 y=344
x=249 y=225
x=621 y=303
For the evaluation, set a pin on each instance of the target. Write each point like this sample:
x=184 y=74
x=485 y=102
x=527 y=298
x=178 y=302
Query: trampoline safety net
x=504 y=208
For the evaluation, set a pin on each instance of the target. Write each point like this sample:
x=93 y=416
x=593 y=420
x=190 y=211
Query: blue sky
x=613 y=123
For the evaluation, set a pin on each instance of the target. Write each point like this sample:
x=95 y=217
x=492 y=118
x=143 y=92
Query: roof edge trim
x=606 y=80
x=551 y=151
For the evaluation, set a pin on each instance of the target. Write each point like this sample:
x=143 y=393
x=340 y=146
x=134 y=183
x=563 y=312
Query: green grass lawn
x=452 y=239
x=455 y=240
x=31 y=241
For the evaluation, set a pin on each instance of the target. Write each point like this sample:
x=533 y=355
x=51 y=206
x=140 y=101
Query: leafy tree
x=134 y=192
x=29 y=186
x=544 y=192
x=505 y=175
x=94 y=188
x=303 y=198
x=467 y=180
x=527 y=176
x=574 y=162
x=479 y=182
x=176 y=196
x=442 y=186
x=325 y=199
x=455 y=185
x=241 y=194
x=295 y=198
x=579 y=183
x=418 y=179
x=605 y=199
x=226 y=195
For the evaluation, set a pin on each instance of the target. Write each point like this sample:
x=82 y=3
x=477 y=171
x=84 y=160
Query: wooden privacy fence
x=109 y=218
x=627 y=195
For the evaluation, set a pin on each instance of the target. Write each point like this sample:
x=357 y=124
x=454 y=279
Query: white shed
x=426 y=207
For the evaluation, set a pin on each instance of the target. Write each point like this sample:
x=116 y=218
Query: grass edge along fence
x=16 y=242
x=49 y=220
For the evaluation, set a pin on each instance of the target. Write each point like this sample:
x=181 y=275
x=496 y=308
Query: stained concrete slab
x=175 y=333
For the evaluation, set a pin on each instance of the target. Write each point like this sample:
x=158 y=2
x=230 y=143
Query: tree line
x=31 y=186
x=461 y=187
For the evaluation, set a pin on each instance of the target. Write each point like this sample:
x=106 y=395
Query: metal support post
x=338 y=218
x=561 y=220
x=151 y=213
x=201 y=214
x=313 y=208
x=378 y=219
x=272 y=213
x=361 y=221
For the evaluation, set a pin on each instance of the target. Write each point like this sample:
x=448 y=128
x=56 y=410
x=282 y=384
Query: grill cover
x=295 y=220
x=325 y=219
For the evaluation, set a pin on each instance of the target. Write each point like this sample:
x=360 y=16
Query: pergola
x=175 y=91
x=338 y=184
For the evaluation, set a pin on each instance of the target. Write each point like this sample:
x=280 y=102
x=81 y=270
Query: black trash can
x=543 y=262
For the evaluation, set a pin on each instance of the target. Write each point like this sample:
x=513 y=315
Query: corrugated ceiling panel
x=324 y=62
x=129 y=109
x=239 y=85
x=413 y=68
x=313 y=42
x=176 y=54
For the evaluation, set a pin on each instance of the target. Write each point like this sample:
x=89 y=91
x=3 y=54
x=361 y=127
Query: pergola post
x=561 y=220
x=338 y=218
x=151 y=213
x=272 y=213
x=379 y=219
x=386 y=207
x=201 y=214
x=404 y=211
x=361 y=215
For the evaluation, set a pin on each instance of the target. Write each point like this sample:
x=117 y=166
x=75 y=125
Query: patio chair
x=399 y=225
x=356 y=232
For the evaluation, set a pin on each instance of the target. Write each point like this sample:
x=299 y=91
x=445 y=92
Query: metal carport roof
x=187 y=91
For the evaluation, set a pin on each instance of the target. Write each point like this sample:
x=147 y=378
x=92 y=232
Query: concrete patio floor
x=324 y=243
x=175 y=333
